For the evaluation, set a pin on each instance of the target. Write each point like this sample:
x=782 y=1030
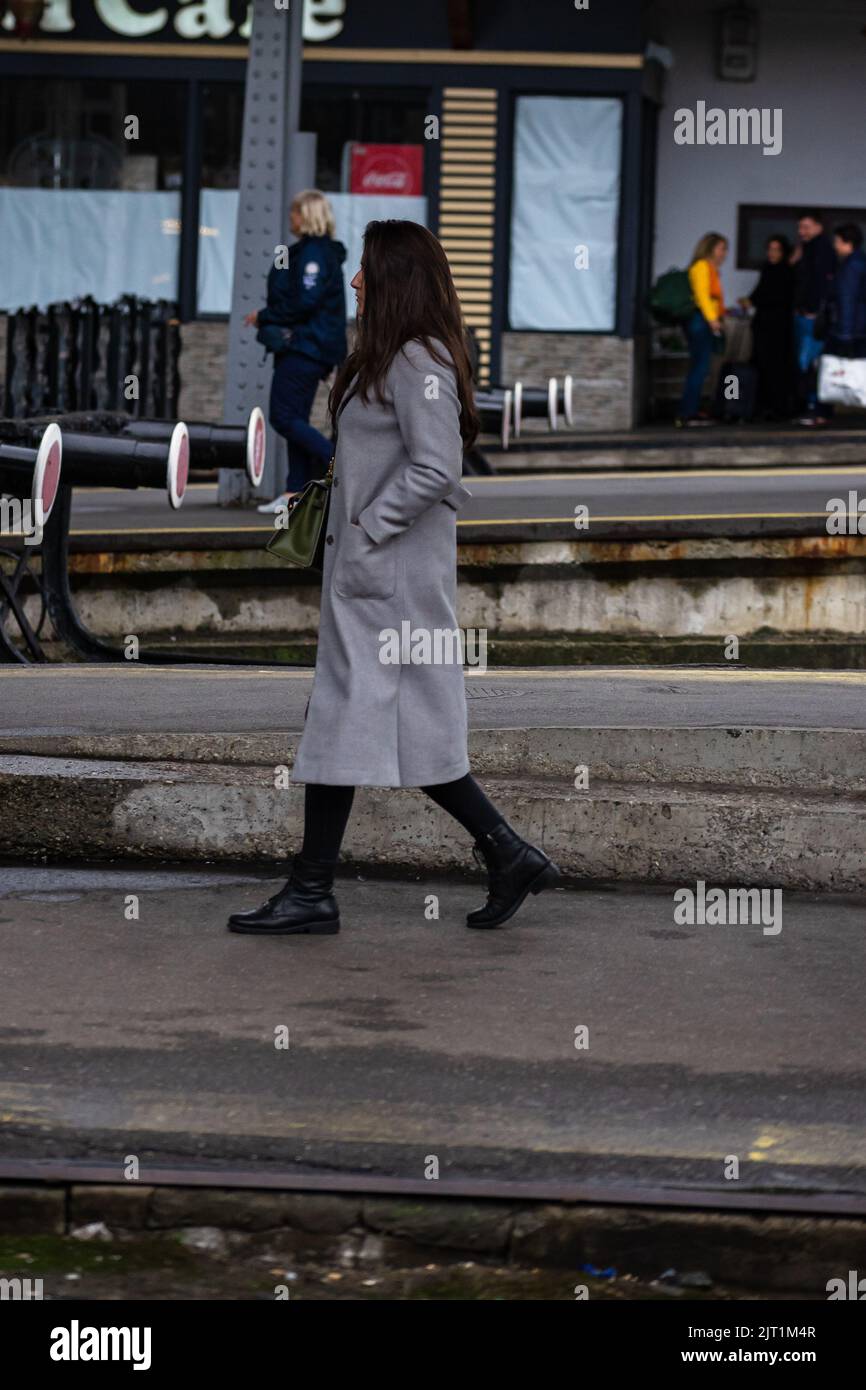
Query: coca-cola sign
x=396 y=170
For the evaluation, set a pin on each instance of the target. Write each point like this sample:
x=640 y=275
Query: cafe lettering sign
x=210 y=21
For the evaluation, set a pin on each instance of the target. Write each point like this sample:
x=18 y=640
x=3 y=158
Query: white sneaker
x=277 y=504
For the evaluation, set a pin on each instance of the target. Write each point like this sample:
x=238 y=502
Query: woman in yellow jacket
x=705 y=324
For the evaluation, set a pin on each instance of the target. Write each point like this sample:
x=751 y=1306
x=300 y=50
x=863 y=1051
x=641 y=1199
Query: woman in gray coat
x=388 y=707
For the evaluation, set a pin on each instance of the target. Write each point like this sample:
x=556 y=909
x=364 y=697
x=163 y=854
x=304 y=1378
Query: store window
x=370 y=153
x=345 y=117
x=565 y=213
x=90 y=176
x=757 y=222
x=222 y=126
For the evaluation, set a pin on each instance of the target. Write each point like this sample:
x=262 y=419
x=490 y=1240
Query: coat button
x=336 y=482
x=330 y=540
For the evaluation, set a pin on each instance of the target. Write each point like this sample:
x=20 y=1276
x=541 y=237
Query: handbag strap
x=343 y=403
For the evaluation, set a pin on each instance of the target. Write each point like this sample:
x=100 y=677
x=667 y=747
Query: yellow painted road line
x=506 y=673
x=472 y=521
x=206 y=529
x=672 y=673
x=661 y=516
x=627 y=474
x=620 y=474
x=145 y=672
x=672 y=516
x=79 y=491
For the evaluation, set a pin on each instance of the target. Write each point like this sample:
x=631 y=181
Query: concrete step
x=775 y=652
x=734 y=807
x=797 y=759
x=793 y=601
x=716 y=447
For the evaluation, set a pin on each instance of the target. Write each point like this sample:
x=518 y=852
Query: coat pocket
x=457 y=497
x=364 y=569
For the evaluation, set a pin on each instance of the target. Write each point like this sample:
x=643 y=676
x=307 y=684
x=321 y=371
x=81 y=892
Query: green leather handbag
x=301 y=541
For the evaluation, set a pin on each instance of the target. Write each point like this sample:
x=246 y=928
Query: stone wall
x=202 y=373
x=202 y=369
x=602 y=366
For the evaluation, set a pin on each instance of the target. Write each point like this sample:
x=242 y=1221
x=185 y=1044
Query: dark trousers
x=326 y=813
x=293 y=390
x=700 y=340
x=773 y=358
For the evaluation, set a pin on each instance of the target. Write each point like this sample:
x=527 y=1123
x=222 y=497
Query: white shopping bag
x=842 y=380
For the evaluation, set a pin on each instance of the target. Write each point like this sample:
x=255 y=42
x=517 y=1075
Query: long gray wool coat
x=390 y=558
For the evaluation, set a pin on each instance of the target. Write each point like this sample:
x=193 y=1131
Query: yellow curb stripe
x=470 y=521
x=627 y=474
x=502 y=673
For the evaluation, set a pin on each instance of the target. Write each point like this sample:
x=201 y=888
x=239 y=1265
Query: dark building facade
x=523 y=135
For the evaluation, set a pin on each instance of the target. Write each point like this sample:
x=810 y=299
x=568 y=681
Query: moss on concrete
x=148 y=1267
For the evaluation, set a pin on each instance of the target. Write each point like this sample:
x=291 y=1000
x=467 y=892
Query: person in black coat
x=304 y=326
x=814 y=267
x=772 y=330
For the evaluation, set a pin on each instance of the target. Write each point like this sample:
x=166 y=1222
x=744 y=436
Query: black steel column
x=189 y=205
x=631 y=210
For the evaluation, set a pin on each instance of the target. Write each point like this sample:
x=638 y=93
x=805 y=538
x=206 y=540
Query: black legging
x=327 y=809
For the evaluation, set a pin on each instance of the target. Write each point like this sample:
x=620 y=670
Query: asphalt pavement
x=708 y=501
x=410 y=1037
x=130 y=698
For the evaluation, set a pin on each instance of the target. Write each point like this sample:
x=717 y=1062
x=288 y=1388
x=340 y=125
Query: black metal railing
x=42 y=461
x=84 y=356
x=80 y=357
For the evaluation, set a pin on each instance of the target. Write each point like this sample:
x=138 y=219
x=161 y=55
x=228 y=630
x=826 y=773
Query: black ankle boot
x=306 y=905
x=515 y=868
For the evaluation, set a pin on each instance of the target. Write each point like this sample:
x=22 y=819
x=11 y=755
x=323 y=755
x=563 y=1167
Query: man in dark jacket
x=304 y=326
x=814 y=265
x=847 y=303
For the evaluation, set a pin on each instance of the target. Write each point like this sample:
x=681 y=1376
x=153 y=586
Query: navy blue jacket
x=306 y=309
x=847 y=304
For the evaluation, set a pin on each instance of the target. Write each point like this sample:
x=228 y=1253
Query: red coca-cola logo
x=393 y=169
x=397 y=180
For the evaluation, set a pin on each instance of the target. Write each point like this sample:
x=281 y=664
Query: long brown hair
x=408 y=294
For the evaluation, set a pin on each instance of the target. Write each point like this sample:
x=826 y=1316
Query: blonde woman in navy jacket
x=304 y=325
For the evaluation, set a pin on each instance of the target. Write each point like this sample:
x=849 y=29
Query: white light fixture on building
x=737 y=56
